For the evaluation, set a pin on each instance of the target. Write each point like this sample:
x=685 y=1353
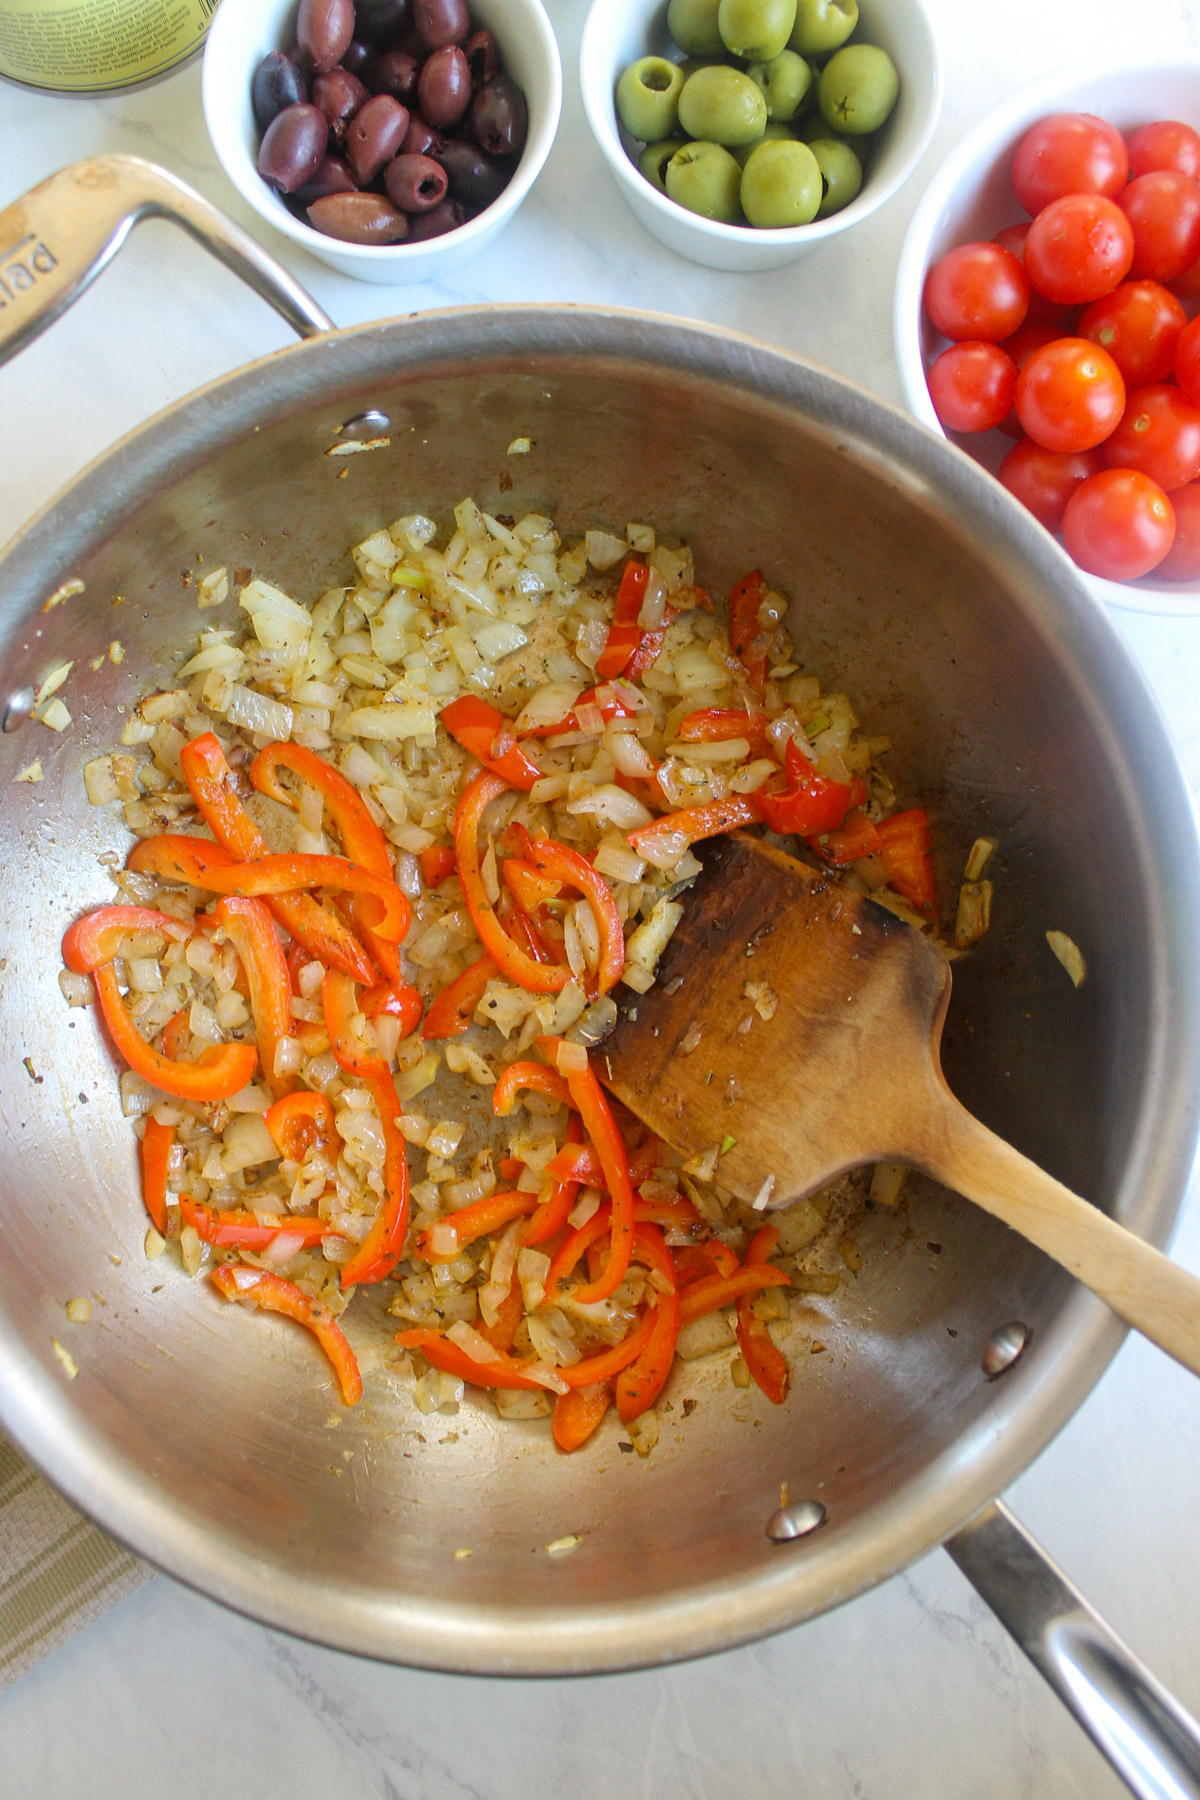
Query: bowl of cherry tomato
x=1045 y=317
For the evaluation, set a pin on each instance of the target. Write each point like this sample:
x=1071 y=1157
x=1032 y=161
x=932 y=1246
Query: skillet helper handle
x=1151 y=1742
x=56 y=239
x=1145 y=1288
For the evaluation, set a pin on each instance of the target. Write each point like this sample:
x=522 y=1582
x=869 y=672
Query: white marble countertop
x=912 y=1690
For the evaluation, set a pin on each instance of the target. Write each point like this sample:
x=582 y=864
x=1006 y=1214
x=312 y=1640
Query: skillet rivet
x=795 y=1521
x=17 y=709
x=1004 y=1348
x=364 y=425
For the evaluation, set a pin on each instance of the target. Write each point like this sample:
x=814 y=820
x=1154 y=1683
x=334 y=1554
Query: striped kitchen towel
x=57 y=1572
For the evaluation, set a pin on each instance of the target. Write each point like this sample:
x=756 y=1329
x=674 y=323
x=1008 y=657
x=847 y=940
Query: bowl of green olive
x=744 y=132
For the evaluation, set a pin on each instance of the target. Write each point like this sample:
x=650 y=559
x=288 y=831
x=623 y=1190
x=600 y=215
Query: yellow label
x=86 y=46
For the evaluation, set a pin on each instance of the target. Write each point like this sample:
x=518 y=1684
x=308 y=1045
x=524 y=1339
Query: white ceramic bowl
x=617 y=32
x=240 y=36
x=970 y=198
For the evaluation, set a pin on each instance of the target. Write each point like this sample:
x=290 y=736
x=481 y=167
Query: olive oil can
x=98 y=46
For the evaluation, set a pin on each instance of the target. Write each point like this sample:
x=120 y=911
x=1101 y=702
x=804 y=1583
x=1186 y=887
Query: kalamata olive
x=277 y=83
x=381 y=21
x=481 y=54
x=359 y=219
x=444 y=88
x=393 y=72
x=475 y=179
x=339 y=96
x=303 y=61
x=437 y=222
x=332 y=177
x=356 y=56
x=376 y=132
x=499 y=117
x=421 y=139
x=415 y=183
x=324 y=30
x=292 y=147
x=441 y=22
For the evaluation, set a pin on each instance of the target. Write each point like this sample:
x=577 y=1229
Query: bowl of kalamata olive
x=393 y=139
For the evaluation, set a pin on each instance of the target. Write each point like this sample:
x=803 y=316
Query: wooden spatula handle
x=1143 y=1286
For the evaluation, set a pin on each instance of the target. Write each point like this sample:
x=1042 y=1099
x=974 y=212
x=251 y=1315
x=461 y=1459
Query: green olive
x=654 y=159
x=841 y=173
x=705 y=179
x=858 y=89
x=756 y=29
x=773 y=134
x=722 y=106
x=693 y=25
x=823 y=25
x=785 y=82
x=781 y=185
x=648 y=98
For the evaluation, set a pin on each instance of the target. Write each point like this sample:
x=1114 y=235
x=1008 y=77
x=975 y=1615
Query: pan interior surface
x=214 y=1442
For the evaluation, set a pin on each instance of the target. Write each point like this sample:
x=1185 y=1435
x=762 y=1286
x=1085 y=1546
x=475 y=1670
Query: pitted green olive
x=781 y=185
x=785 y=81
x=705 y=178
x=823 y=26
x=693 y=25
x=722 y=106
x=654 y=159
x=858 y=89
x=841 y=173
x=756 y=29
x=648 y=98
x=774 y=133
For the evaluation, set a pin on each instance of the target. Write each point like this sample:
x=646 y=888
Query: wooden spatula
x=845 y=1071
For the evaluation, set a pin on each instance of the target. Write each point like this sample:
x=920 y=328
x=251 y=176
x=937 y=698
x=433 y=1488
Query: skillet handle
x=1151 y=1742
x=57 y=238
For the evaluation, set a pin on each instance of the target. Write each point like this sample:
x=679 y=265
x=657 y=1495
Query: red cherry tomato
x=1070 y=395
x=1044 y=480
x=1165 y=145
x=1163 y=209
x=1068 y=153
x=1119 y=524
x=977 y=291
x=1182 y=561
x=1139 y=325
x=972 y=386
x=1159 y=435
x=1187 y=361
x=1185 y=286
x=1041 y=311
x=1079 y=248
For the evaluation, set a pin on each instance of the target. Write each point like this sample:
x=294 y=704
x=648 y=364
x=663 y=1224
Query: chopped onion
x=653 y=611
x=1068 y=954
x=546 y=706
x=246 y=1142
x=603 y=549
x=612 y=804
x=258 y=712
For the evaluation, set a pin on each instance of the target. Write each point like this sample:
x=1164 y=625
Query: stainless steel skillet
x=956 y=625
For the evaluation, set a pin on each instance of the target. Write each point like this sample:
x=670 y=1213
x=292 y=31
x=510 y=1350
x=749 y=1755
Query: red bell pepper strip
x=719 y=1290
x=477 y=1220
x=904 y=850
x=201 y=864
x=488 y=735
x=521 y=1075
x=362 y=840
x=855 y=838
x=437 y=1349
x=219 y=1072
x=696 y=1262
x=639 y=1385
x=764 y=1359
x=719 y=725
x=580 y=1163
x=664 y=841
x=607 y=1363
x=529 y=889
x=299 y=1122
x=508 y=1316
x=436 y=863
x=747 y=639
x=646 y=654
x=176 y=1034
x=624 y=634
x=522 y=930
x=452 y=1011
x=96 y=938
x=595 y=1114
x=810 y=804
x=578 y=1413
x=537 y=978
x=675 y=1214
x=552 y=1213
x=399 y=1000
x=241 y=1230
x=340 y=1004
x=383 y=1245
x=608 y=698
x=258 y=1287
x=211 y=785
x=559 y=863
x=251 y=930
x=155 y=1148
